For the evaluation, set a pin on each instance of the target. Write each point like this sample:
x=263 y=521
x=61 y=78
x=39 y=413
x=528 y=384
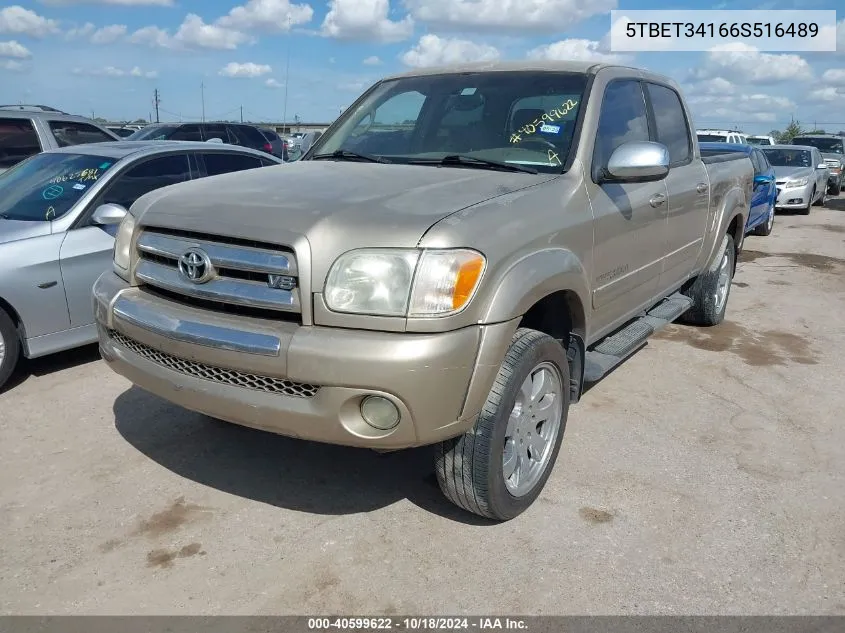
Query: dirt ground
x=705 y=476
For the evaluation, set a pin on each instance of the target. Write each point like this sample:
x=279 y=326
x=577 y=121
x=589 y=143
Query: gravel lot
x=704 y=476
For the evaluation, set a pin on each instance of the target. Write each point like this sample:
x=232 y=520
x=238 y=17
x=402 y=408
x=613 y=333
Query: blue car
x=761 y=216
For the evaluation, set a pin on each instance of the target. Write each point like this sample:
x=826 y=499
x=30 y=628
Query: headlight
x=800 y=182
x=122 y=245
x=391 y=282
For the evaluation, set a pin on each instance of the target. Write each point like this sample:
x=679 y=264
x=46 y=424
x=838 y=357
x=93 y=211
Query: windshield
x=46 y=186
x=758 y=141
x=523 y=118
x=153 y=133
x=789 y=157
x=824 y=145
x=711 y=138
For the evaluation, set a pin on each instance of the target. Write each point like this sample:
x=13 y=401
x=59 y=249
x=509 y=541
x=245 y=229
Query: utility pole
x=156 y=101
x=202 y=91
x=242 y=114
x=287 y=76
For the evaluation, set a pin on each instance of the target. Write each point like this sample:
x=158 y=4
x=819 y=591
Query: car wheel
x=711 y=289
x=499 y=467
x=835 y=189
x=766 y=228
x=806 y=210
x=10 y=347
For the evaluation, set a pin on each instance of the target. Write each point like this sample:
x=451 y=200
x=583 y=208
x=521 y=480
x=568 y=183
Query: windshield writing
x=46 y=186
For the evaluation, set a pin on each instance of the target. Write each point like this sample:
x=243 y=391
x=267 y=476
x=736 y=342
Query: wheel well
x=16 y=319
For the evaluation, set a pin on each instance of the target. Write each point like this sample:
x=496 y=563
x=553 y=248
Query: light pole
x=287 y=76
x=202 y=93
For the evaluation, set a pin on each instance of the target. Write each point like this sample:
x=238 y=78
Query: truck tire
x=765 y=228
x=835 y=189
x=10 y=347
x=711 y=289
x=525 y=412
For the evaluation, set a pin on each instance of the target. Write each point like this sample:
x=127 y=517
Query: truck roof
x=818 y=136
x=511 y=66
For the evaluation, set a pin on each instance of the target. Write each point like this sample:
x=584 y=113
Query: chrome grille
x=243 y=274
x=232 y=377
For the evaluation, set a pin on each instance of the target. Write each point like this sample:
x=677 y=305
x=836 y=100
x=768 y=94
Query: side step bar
x=613 y=349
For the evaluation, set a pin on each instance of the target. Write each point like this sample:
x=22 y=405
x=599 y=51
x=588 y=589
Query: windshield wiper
x=461 y=160
x=345 y=154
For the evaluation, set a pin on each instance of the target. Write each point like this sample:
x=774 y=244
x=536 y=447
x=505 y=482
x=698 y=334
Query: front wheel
x=10 y=346
x=711 y=289
x=499 y=467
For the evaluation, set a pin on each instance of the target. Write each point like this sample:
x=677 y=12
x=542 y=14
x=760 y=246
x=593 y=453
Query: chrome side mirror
x=638 y=161
x=108 y=214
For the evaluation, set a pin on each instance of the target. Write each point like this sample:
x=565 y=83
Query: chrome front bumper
x=305 y=382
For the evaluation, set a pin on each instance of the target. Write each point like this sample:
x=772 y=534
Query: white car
x=757 y=139
x=721 y=136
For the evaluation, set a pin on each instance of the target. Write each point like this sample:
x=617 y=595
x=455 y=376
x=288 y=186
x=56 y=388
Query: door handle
x=701 y=187
x=657 y=200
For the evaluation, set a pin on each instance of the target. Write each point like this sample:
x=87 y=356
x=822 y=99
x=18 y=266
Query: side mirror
x=638 y=161
x=760 y=179
x=108 y=214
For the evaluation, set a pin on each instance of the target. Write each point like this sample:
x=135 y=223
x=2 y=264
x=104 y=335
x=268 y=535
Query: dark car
x=278 y=145
x=231 y=133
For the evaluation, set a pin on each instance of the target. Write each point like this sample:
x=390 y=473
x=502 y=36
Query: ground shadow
x=835 y=204
x=46 y=365
x=283 y=472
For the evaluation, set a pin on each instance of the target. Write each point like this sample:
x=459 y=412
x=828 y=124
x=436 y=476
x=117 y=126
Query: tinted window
x=46 y=186
x=789 y=157
x=154 y=133
x=755 y=161
x=672 y=127
x=712 y=138
x=18 y=140
x=764 y=163
x=826 y=145
x=224 y=163
x=622 y=120
x=249 y=136
x=186 y=133
x=148 y=176
x=69 y=133
x=216 y=130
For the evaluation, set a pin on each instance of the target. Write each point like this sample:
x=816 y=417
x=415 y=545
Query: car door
x=86 y=251
x=760 y=194
x=629 y=218
x=768 y=171
x=688 y=196
x=821 y=174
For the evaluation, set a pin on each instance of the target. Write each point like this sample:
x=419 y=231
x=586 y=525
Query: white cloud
x=714 y=86
x=11 y=65
x=86 y=30
x=742 y=63
x=432 y=50
x=759 y=107
x=123 y=3
x=234 y=69
x=827 y=95
x=266 y=15
x=372 y=61
x=576 y=50
x=273 y=83
x=192 y=33
x=16 y=19
x=14 y=49
x=152 y=36
x=834 y=77
x=113 y=72
x=365 y=20
x=516 y=16
x=108 y=34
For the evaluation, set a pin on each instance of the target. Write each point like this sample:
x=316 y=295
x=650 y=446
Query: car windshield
x=824 y=145
x=711 y=138
x=758 y=141
x=521 y=118
x=153 y=133
x=789 y=157
x=46 y=186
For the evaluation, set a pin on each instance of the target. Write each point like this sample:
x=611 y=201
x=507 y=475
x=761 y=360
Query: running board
x=612 y=350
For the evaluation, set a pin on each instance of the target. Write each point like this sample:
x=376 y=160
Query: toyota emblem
x=196 y=266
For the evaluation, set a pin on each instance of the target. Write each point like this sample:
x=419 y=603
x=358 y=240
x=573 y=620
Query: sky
x=105 y=58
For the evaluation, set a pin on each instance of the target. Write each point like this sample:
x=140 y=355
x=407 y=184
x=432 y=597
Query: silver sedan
x=59 y=211
x=801 y=176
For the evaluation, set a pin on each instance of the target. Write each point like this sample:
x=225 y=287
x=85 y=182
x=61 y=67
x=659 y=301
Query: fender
x=735 y=203
x=533 y=277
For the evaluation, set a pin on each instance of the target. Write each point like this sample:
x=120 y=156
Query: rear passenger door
x=688 y=199
x=18 y=140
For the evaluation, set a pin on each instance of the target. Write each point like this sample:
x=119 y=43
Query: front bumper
x=793 y=197
x=298 y=381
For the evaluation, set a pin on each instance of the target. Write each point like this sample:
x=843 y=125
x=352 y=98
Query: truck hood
x=336 y=206
x=13 y=230
x=792 y=173
x=838 y=157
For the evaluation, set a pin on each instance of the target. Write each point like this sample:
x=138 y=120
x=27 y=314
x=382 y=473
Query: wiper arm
x=462 y=160
x=345 y=154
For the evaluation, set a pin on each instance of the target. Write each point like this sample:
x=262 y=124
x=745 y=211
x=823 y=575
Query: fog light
x=379 y=412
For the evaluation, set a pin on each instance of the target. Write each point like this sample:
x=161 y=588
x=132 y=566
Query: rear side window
x=216 y=130
x=249 y=136
x=623 y=119
x=69 y=133
x=764 y=162
x=755 y=160
x=148 y=176
x=672 y=127
x=187 y=133
x=224 y=163
x=18 y=140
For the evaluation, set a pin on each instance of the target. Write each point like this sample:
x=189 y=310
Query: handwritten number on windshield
x=549 y=117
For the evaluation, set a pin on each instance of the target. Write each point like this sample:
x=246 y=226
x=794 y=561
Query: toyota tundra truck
x=449 y=264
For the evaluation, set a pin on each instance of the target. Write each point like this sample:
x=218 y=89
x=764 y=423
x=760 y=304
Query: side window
x=18 y=140
x=755 y=161
x=148 y=176
x=622 y=120
x=216 y=130
x=187 y=133
x=69 y=133
x=764 y=162
x=250 y=137
x=224 y=163
x=671 y=123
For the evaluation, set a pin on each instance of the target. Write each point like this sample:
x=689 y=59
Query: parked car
x=801 y=176
x=276 y=145
x=437 y=282
x=832 y=149
x=761 y=214
x=121 y=131
x=761 y=140
x=59 y=212
x=721 y=136
x=232 y=133
x=30 y=131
